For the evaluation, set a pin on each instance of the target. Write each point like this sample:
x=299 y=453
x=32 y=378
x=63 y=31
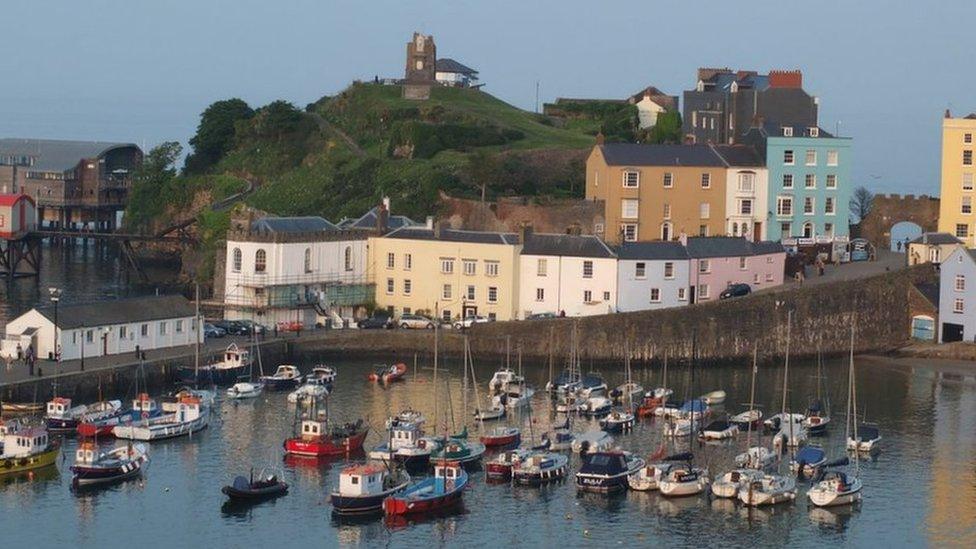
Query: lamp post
x=83 y=330
x=55 y=294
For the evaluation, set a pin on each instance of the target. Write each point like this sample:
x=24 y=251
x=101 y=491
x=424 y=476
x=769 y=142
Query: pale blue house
x=810 y=184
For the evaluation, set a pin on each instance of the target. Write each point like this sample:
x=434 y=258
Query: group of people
x=26 y=357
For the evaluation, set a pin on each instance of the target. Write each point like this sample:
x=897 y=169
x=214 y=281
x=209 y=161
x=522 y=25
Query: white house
x=104 y=327
x=746 y=191
x=957 y=296
x=451 y=73
x=575 y=275
x=650 y=103
x=652 y=275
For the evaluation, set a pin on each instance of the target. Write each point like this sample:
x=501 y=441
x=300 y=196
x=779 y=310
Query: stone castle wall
x=888 y=209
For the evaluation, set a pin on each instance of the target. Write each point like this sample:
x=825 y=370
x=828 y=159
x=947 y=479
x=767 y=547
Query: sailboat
x=657 y=397
x=621 y=420
x=755 y=457
x=866 y=437
x=791 y=433
x=247 y=388
x=818 y=412
x=568 y=380
x=629 y=390
x=455 y=449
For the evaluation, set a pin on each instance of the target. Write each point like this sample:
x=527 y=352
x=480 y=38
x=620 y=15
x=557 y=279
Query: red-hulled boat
x=441 y=491
x=500 y=468
x=318 y=439
x=501 y=437
x=389 y=374
x=653 y=400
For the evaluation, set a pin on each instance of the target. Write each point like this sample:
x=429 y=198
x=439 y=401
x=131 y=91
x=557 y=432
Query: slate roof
x=55 y=155
x=368 y=221
x=930 y=291
x=283 y=225
x=454 y=235
x=729 y=246
x=446 y=64
x=772 y=129
x=119 y=311
x=632 y=154
x=936 y=239
x=739 y=156
x=657 y=250
x=565 y=245
x=767 y=247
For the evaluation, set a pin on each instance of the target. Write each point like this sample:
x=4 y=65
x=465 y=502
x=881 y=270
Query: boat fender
x=422 y=444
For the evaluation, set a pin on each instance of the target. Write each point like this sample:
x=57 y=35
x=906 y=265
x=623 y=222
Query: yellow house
x=446 y=273
x=956 y=205
x=658 y=192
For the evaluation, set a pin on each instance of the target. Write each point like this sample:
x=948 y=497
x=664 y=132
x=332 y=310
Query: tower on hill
x=420 y=73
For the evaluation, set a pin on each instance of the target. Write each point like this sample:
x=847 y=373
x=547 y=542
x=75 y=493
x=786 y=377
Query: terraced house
x=958 y=169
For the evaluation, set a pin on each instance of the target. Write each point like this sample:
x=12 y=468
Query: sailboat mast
x=786 y=370
x=850 y=389
x=664 y=382
x=474 y=383
x=752 y=395
x=196 y=347
x=550 y=355
x=508 y=353
x=436 y=341
x=464 y=381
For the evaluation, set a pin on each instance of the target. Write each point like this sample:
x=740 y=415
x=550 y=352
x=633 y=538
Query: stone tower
x=421 y=66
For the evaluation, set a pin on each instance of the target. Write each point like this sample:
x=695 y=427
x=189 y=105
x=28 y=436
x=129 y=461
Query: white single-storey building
x=571 y=275
x=103 y=328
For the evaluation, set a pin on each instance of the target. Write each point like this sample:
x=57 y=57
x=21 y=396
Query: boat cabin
x=313 y=429
x=446 y=473
x=9 y=426
x=287 y=371
x=58 y=407
x=361 y=480
x=405 y=436
x=25 y=442
x=234 y=356
x=188 y=409
x=144 y=405
x=86 y=453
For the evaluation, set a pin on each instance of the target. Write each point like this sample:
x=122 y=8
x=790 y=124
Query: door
x=757 y=231
x=951 y=332
x=104 y=344
x=691 y=293
x=469 y=310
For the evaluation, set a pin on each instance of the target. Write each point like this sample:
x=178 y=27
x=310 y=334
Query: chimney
x=383 y=217
x=683 y=238
x=948 y=114
x=786 y=79
x=600 y=138
x=430 y=223
x=526 y=233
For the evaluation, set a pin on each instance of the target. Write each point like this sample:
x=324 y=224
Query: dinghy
x=266 y=486
x=389 y=374
x=244 y=390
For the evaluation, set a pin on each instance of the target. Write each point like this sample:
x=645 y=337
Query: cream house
x=571 y=275
x=932 y=248
x=446 y=273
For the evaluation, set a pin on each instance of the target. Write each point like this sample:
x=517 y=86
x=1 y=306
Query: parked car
x=469 y=321
x=541 y=316
x=375 y=322
x=735 y=290
x=252 y=327
x=290 y=326
x=233 y=327
x=209 y=330
x=417 y=322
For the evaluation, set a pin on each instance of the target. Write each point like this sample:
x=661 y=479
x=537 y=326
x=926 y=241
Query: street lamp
x=55 y=294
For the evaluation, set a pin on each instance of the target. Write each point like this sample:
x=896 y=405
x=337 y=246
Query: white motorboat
x=866 y=439
x=714 y=398
x=322 y=375
x=568 y=403
x=775 y=422
x=406 y=446
x=729 y=484
x=592 y=441
x=648 y=477
x=617 y=421
x=190 y=417
x=285 y=377
x=495 y=410
x=768 y=490
x=790 y=435
x=244 y=390
x=684 y=480
x=309 y=390
x=719 y=430
x=503 y=379
x=749 y=418
x=592 y=385
x=596 y=406
x=540 y=468
x=835 y=488
x=756 y=457
x=518 y=396
x=678 y=428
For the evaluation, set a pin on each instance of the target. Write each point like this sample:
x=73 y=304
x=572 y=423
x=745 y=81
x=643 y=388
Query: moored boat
x=866 y=439
x=607 y=471
x=441 y=491
x=308 y=390
x=728 y=485
x=501 y=437
x=630 y=391
x=652 y=400
x=596 y=406
x=714 y=398
x=540 y=468
x=808 y=461
x=317 y=438
x=501 y=466
x=592 y=385
x=457 y=450
x=61 y=416
x=649 y=477
x=190 y=416
x=592 y=441
x=835 y=488
x=768 y=490
x=562 y=437
x=233 y=364
x=618 y=421
x=322 y=375
x=503 y=379
x=143 y=407
x=684 y=479
x=567 y=381
x=406 y=446
x=266 y=486
x=244 y=390
x=496 y=409
x=286 y=376
x=363 y=488
x=21 y=407
x=389 y=374
x=748 y=419
x=26 y=448
x=756 y=457
x=719 y=429
x=93 y=467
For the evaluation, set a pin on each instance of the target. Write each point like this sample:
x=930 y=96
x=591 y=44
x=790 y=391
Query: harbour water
x=920 y=490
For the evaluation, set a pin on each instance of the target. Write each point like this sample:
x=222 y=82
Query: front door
x=469 y=310
x=757 y=231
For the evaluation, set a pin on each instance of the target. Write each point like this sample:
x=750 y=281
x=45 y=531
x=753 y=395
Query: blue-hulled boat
x=443 y=490
x=808 y=461
x=362 y=488
x=607 y=472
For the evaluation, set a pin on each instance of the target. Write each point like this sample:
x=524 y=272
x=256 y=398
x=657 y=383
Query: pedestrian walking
x=29 y=357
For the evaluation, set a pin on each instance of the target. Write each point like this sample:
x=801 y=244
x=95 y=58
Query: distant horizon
x=144 y=73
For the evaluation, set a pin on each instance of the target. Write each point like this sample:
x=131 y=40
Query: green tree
x=482 y=170
x=666 y=130
x=153 y=185
x=278 y=119
x=215 y=134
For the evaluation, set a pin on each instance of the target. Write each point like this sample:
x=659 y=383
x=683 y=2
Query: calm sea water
x=921 y=490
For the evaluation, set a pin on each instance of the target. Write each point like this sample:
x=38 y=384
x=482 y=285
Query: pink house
x=720 y=261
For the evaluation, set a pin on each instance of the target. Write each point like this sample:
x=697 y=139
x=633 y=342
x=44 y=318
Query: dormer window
x=814 y=132
x=787 y=131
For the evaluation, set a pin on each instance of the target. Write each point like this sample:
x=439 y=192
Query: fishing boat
x=285 y=377
x=458 y=450
x=835 y=487
x=407 y=415
x=191 y=416
x=496 y=409
x=684 y=479
x=441 y=491
x=808 y=461
x=244 y=390
x=61 y=416
x=170 y=402
x=363 y=488
x=322 y=375
x=501 y=437
x=714 y=398
x=406 y=446
x=93 y=467
x=748 y=419
x=592 y=441
x=26 y=448
x=143 y=407
x=768 y=490
x=607 y=471
x=540 y=468
x=265 y=486
x=728 y=485
x=233 y=364
x=316 y=437
x=388 y=374
x=501 y=466
x=596 y=406
x=618 y=421
x=719 y=429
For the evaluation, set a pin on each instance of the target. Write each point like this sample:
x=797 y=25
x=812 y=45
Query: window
x=470 y=293
x=260 y=261
x=787 y=131
x=348 y=258
x=704 y=209
x=541 y=266
x=958 y=306
x=703 y=266
x=960 y=283
x=967 y=205
x=831 y=181
x=491 y=268
x=814 y=131
x=390 y=285
x=390 y=260
x=962 y=230
x=808 y=230
x=162 y=328
x=179 y=326
x=667 y=211
x=811 y=157
x=755 y=278
x=703 y=291
x=828 y=230
x=668 y=180
x=446 y=292
x=540 y=294
x=810 y=181
x=769 y=277
x=446 y=315
x=681 y=294
x=967 y=181
x=144 y=330
x=628 y=208
x=308 y=260
x=666 y=231
x=745 y=206
x=447 y=265
x=587 y=269
x=787 y=181
x=407 y=262
x=587 y=296
x=967 y=138
x=742 y=264
x=747 y=182
x=668 y=270
x=407 y=286
x=829 y=205
x=631 y=179
x=703 y=230
x=784 y=206
x=90 y=336
x=832 y=158
x=606 y=296
x=124 y=331
x=470 y=266
x=786 y=229
x=640 y=269
x=967 y=158
x=788 y=157
x=238 y=259
x=655 y=295
x=706 y=180
x=629 y=231
x=492 y=317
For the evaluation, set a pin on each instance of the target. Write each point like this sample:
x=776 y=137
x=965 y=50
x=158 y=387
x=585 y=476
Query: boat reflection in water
x=834 y=518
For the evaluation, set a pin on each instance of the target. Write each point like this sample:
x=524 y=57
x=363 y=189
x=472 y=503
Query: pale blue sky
x=143 y=71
